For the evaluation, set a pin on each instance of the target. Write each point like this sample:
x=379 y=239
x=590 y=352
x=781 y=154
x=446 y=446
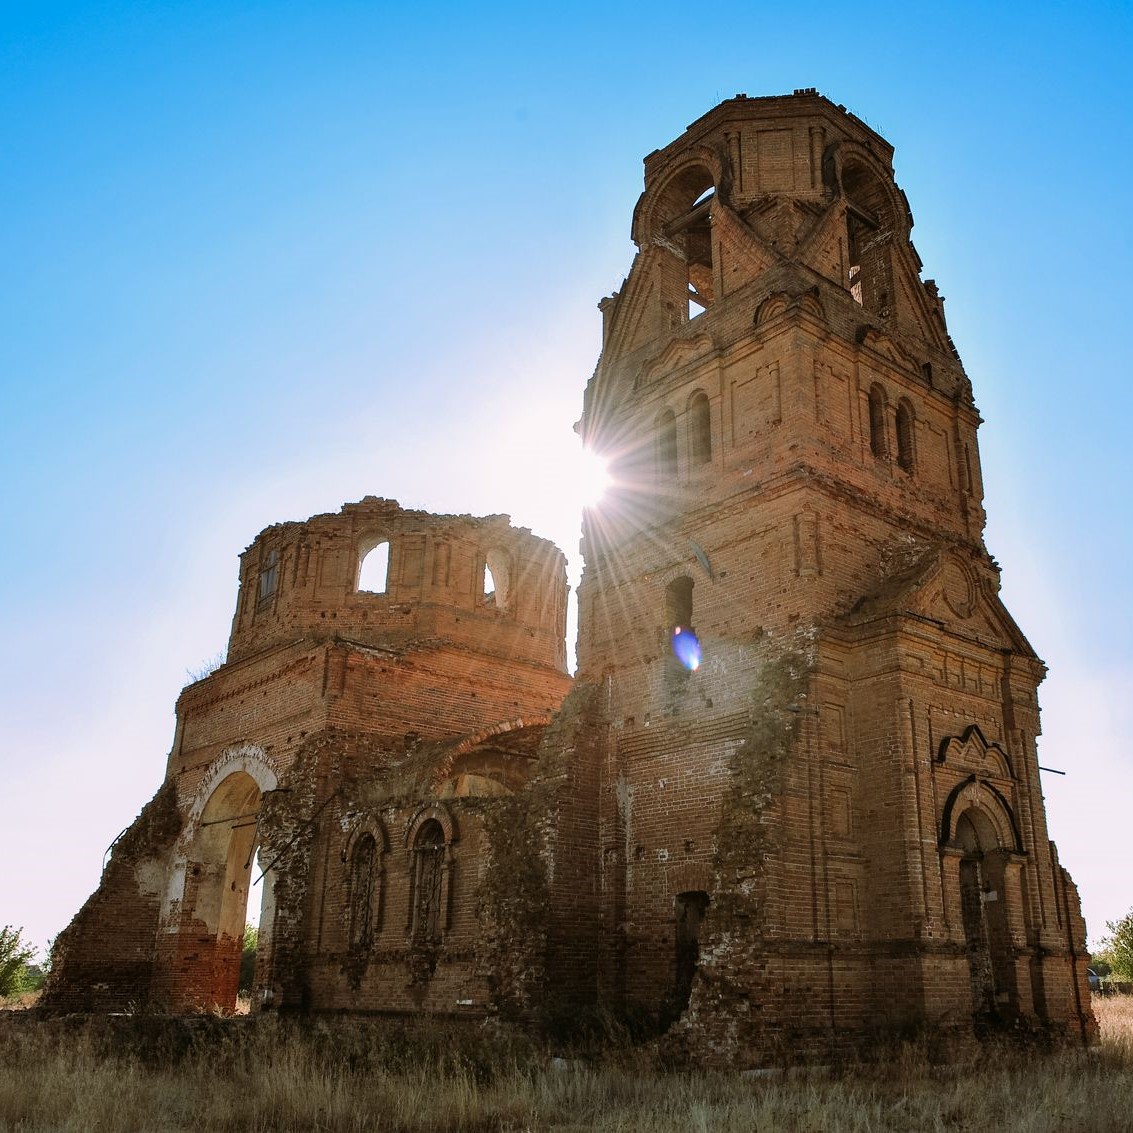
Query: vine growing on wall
x=748 y=821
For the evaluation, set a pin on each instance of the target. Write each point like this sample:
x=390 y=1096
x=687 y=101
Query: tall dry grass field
x=240 y=1075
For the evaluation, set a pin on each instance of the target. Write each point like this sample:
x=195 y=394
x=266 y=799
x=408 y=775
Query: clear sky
x=259 y=259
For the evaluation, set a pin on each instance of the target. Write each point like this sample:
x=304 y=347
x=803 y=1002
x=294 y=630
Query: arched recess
x=504 y=752
x=363 y=858
x=689 y=885
x=207 y=900
x=774 y=305
x=689 y=909
x=429 y=841
x=666 y=434
x=978 y=793
x=678 y=603
x=983 y=864
x=906 y=429
x=699 y=429
x=878 y=422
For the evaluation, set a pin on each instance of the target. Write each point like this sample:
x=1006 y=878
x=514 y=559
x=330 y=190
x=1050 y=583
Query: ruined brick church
x=791 y=796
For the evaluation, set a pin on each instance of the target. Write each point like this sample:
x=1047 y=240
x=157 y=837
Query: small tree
x=1118 y=946
x=248 y=958
x=15 y=956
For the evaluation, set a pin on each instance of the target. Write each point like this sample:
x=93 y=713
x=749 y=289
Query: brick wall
x=833 y=827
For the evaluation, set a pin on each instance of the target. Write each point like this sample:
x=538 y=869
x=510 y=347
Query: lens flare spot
x=686 y=648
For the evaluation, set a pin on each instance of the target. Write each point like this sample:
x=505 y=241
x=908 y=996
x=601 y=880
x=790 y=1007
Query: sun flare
x=592 y=476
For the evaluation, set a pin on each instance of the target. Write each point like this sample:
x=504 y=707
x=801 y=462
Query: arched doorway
x=215 y=871
x=983 y=909
x=218 y=879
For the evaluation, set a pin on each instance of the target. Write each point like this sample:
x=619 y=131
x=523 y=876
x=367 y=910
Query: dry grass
x=250 y=1076
x=20 y=1002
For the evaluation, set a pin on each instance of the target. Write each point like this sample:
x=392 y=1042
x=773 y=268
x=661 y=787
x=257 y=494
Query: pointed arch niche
x=981 y=872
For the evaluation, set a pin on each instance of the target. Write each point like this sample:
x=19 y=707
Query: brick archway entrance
x=207 y=905
x=984 y=913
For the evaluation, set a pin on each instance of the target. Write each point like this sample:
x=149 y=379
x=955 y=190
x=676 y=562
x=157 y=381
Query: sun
x=591 y=476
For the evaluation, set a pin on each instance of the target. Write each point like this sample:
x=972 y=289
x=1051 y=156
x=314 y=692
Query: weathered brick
x=832 y=828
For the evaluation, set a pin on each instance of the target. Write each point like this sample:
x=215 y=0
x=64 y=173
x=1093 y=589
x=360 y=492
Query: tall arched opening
x=207 y=905
x=983 y=909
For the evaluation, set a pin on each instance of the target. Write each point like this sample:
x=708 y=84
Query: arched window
x=428 y=873
x=269 y=577
x=906 y=456
x=497 y=578
x=699 y=429
x=362 y=863
x=373 y=569
x=870 y=224
x=678 y=603
x=667 y=444
x=683 y=216
x=878 y=438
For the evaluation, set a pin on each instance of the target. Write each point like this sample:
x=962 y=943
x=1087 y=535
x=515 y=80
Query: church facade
x=791 y=796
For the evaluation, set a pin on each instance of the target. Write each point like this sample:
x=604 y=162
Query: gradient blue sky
x=260 y=259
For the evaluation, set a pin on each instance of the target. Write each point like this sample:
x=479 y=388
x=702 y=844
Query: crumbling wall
x=539 y=897
x=288 y=825
x=103 y=960
x=303 y=580
x=737 y=1010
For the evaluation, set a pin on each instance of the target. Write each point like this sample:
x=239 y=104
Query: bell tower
x=774 y=343
x=790 y=607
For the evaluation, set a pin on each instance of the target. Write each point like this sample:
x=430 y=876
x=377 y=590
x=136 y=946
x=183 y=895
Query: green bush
x=15 y=957
x=1117 y=948
x=248 y=958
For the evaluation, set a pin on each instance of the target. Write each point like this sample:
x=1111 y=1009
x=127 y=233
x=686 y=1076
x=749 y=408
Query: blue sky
x=261 y=259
